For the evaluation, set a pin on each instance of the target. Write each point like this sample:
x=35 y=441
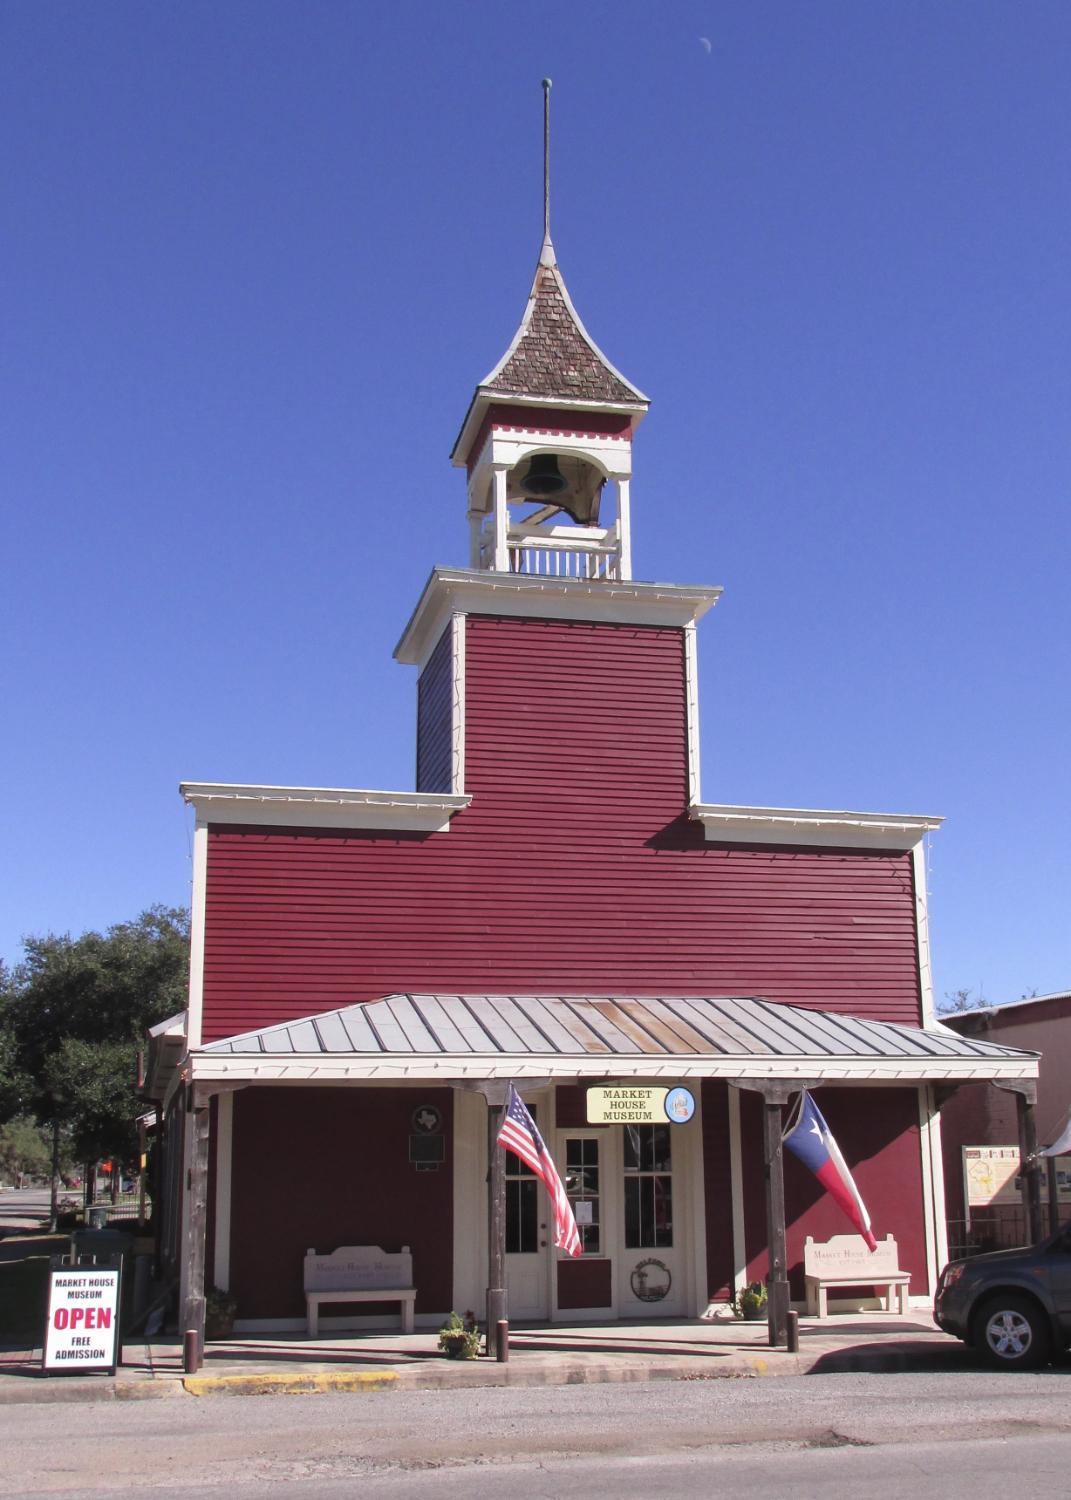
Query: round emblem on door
x=650 y=1280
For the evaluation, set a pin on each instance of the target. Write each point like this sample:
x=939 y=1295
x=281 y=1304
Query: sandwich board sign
x=82 y=1329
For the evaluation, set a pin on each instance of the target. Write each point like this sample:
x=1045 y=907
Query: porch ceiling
x=501 y=1036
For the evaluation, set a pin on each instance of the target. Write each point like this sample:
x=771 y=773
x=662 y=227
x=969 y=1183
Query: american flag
x=519 y=1134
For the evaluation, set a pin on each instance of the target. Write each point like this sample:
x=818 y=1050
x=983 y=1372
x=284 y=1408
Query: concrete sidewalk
x=545 y=1354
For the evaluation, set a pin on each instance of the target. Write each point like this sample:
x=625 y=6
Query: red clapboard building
x=553 y=904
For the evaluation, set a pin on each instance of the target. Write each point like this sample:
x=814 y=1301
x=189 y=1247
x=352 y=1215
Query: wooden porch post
x=1029 y=1165
x=497 y=1300
x=193 y=1309
x=775 y=1094
x=777 y=1280
x=1054 y=1194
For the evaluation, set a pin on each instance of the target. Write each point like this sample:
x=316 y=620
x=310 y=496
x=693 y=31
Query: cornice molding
x=470 y=591
x=724 y=823
x=322 y=807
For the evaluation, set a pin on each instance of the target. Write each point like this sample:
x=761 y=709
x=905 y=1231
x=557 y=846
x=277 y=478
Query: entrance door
x=526 y=1240
x=653 y=1260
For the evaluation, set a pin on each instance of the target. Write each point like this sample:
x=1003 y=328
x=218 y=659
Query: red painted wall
x=717 y=1190
x=585 y=1283
x=877 y=1131
x=574 y=869
x=323 y=1167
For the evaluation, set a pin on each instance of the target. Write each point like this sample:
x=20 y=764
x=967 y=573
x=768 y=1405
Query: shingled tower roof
x=553 y=355
x=553 y=361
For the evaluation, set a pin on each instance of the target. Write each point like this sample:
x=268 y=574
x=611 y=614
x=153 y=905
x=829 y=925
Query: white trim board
x=262 y=1067
x=224 y=1163
x=726 y=823
x=322 y=807
x=198 y=905
x=457 y=705
x=922 y=934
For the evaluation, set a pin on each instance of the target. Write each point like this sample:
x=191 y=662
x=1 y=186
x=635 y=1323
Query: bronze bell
x=543 y=477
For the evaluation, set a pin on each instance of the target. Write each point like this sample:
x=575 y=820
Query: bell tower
x=548 y=432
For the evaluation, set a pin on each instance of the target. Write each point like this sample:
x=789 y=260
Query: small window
x=522 y=1206
x=582 y=1187
x=648 y=1187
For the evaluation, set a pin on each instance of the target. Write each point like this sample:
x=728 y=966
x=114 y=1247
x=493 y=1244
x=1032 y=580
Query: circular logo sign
x=427 y=1119
x=680 y=1106
x=650 y=1280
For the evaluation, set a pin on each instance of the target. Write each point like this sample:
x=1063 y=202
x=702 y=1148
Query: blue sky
x=258 y=254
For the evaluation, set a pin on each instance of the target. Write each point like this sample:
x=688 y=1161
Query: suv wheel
x=1012 y=1333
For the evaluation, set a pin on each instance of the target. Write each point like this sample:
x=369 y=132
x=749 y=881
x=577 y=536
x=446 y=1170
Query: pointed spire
x=552 y=354
x=552 y=360
x=546 y=254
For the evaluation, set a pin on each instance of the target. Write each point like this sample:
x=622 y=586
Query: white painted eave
x=471 y=591
x=484 y=399
x=259 y=1067
x=725 y=823
x=166 y=1051
x=323 y=807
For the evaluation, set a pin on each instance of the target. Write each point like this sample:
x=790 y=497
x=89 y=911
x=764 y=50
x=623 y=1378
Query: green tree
x=74 y=1013
x=25 y=1149
x=92 y=1084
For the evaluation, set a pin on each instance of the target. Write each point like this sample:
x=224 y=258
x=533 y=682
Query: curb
x=59 y=1393
x=289 y=1385
x=444 y=1375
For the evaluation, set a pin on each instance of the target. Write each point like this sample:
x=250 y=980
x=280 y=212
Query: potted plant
x=750 y=1302
x=221 y=1309
x=459 y=1337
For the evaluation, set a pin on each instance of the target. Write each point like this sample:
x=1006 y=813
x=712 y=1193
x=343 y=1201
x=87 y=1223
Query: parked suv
x=1013 y=1306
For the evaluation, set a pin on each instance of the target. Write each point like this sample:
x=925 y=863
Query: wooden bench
x=359 y=1273
x=845 y=1260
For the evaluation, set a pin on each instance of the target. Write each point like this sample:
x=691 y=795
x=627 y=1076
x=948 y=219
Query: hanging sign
x=627 y=1106
x=82 y=1332
x=639 y=1106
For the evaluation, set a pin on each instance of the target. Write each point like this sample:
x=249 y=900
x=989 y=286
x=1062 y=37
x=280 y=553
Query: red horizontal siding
x=574 y=869
x=878 y=1131
x=340 y=1160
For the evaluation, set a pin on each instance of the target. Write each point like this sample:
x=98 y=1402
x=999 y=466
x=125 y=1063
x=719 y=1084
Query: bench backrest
x=358 y=1268
x=847 y=1254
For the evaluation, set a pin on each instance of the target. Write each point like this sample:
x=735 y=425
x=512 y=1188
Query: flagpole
x=496 y=1221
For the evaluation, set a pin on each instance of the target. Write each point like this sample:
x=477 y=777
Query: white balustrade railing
x=567 y=554
x=556 y=560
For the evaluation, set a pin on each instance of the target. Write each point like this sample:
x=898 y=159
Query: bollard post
x=793 y=1332
x=191 y=1351
x=502 y=1341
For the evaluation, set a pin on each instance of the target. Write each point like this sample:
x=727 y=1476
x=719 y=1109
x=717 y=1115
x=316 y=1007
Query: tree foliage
x=25 y=1149
x=957 y=1001
x=72 y=1016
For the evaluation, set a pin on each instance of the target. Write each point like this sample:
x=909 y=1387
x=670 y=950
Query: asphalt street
x=832 y=1436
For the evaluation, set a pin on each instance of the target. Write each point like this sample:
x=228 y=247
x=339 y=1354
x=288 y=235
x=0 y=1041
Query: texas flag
x=809 y=1138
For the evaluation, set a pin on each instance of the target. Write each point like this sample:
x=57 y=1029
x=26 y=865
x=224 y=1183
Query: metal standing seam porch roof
x=423 y=1036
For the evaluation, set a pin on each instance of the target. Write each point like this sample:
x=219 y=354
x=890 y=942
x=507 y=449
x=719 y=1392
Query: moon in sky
x=705 y=41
